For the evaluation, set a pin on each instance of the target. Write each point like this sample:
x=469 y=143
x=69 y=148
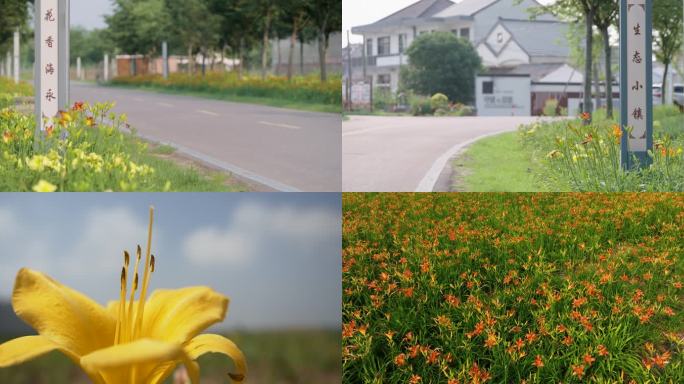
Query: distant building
x=500 y=31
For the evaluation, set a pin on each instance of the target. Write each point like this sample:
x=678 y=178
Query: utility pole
x=16 y=56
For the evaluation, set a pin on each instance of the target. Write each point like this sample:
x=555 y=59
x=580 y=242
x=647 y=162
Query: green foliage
x=442 y=63
x=138 y=27
x=13 y=15
x=420 y=105
x=582 y=157
x=506 y=288
x=89 y=45
x=439 y=101
x=551 y=107
x=667 y=20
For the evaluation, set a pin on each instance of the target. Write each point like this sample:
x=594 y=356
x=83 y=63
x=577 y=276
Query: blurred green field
x=272 y=357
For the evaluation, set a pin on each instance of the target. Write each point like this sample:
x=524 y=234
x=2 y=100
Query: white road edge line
x=280 y=125
x=208 y=112
x=276 y=185
x=431 y=177
x=167 y=105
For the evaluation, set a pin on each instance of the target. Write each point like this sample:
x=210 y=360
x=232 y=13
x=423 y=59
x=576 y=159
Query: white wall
x=511 y=96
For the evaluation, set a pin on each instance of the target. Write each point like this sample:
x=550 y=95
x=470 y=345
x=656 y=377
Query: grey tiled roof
x=466 y=8
x=420 y=9
x=539 y=37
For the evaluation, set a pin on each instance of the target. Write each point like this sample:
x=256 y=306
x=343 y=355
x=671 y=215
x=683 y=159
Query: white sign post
x=52 y=58
x=16 y=56
x=106 y=67
x=636 y=81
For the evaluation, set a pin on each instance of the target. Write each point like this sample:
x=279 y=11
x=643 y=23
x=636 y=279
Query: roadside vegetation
x=512 y=288
x=566 y=155
x=85 y=149
x=301 y=92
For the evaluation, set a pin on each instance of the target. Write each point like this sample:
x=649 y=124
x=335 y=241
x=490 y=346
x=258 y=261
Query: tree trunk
x=588 y=65
x=664 y=85
x=293 y=41
x=191 y=61
x=301 y=56
x=277 y=68
x=241 y=54
x=322 y=48
x=609 y=73
x=264 y=45
x=204 y=62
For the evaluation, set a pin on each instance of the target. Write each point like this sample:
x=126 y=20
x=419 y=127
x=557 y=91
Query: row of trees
x=228 y=27
x=13 y=15
x=604 y=14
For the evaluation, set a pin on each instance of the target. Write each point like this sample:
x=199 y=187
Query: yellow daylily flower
x=130 y=341
x=44 y=186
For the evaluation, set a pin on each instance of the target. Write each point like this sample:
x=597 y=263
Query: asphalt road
x=408 y=154
x=282 y=149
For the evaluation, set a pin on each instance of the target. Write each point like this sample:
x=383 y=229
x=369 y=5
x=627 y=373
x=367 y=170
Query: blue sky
x=276 y=255
x=88 y=13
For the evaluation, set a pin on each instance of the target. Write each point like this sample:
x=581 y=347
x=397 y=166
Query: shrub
x=551 y=107
x=439 y=101
x=421 y=106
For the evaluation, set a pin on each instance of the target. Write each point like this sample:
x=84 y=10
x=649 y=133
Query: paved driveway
x=407 y=154
x=283 y=149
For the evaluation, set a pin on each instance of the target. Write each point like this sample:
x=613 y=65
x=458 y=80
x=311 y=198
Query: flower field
x=582 y=158
x=307 y=89
x=83 y=149
x=513 y=288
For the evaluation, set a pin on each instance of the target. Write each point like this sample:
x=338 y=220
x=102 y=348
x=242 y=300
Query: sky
x=275 y=255
x=362 y=12
x=88 y=13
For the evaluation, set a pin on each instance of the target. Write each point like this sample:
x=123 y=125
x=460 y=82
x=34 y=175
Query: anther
x=127 y=258
x=138 y=252
x=152 y=264
x=123 y=277
x=236 y=377
x=135 y=282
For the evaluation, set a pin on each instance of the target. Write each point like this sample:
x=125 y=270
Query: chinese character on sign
x=50 y=96
x=49 y=41
x=50 y=69
x=637 y=30
x=638 y=86
x=49 y=15
x=638 y=114
x=637 y=57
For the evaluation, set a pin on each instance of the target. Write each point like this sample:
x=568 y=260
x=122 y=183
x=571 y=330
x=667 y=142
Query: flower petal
x=74 y=322
x=181 y=314
x=208 y=343
x=23 y=349
x=116 y=364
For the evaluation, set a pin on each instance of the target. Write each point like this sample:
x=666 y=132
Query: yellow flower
x=44 y=186
x=129 y=341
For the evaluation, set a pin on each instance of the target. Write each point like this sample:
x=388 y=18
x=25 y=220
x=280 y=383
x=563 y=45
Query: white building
x=500 y=30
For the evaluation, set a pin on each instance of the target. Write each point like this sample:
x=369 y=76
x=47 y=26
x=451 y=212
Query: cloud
x=255 y=228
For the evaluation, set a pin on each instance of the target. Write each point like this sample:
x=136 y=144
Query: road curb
x=427 y=184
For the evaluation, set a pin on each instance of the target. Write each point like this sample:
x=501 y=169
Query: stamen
x=152 y=264
x=129 y=316
x=236 y=377
x=146 y=277
x=127 y=259
x=122 y=302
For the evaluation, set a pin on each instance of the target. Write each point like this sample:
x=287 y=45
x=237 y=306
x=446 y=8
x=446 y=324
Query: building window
x=402 y=42
x=384 y=80
x=383 y=46
x=369 y=47
x=487 y=87
x=465 y=33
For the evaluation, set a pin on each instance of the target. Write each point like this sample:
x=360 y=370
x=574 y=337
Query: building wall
x=510 y=96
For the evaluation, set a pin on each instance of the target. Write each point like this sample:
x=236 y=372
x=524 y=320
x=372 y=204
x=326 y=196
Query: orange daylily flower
x=538 y=361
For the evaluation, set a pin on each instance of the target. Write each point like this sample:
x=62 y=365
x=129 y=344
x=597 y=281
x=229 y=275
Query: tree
x=265 y=12
x=90 y=46
x=195 y=26
x=440 y=62
x=605 y=17
x=137 y=26
x=294 y=17
x=667 y=20
x=326 y=17
x=13 y=15
x=575 y=10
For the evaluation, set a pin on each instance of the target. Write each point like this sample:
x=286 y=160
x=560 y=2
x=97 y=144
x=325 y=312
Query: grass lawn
x=307 y=356
x=268 y=101
x=513 y=288
x=495 y=164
